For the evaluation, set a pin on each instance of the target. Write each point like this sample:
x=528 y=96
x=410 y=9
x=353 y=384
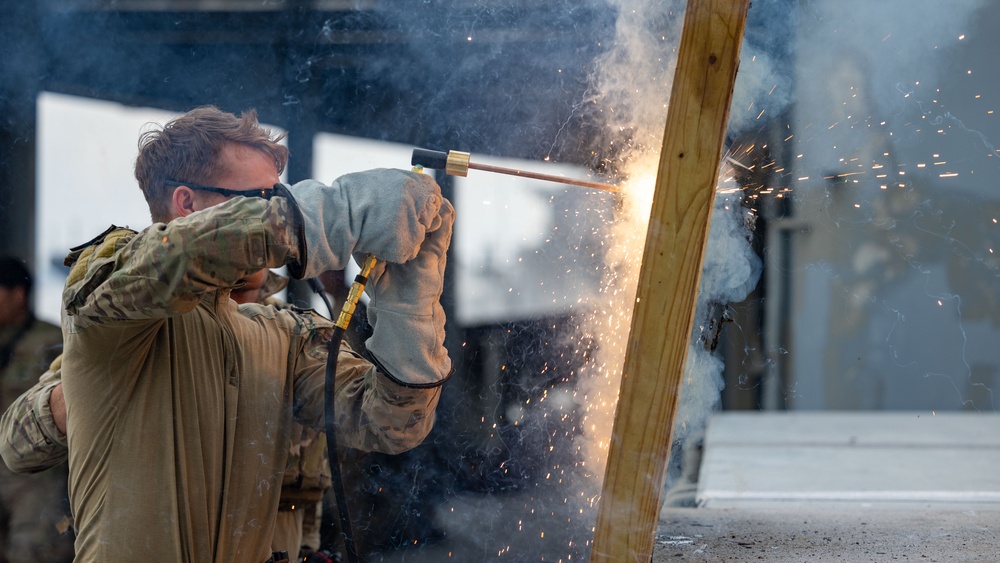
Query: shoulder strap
x=102 y=246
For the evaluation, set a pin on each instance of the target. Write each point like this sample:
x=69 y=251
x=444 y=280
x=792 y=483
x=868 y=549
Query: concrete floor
x=842 y=486
x=802 y=534
x=789 y=487
x=795 y=534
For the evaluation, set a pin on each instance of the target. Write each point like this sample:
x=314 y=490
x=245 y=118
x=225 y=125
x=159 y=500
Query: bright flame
x=612 y=317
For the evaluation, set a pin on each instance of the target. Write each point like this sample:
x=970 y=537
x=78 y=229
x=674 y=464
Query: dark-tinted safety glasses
x=265 y=193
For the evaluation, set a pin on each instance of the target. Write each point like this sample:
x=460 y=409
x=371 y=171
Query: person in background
x=34 y=522
x=181 y=403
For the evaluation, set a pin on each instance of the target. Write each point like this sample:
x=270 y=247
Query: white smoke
x=632 y=85
x=633 y=81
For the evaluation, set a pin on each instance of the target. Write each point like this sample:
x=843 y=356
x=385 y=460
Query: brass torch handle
x=357 y=288
x=457 y=163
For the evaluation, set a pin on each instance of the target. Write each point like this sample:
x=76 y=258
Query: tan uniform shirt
x=180 y=403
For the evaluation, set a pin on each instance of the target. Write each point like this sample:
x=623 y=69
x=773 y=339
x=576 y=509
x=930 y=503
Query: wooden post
x=668 y=280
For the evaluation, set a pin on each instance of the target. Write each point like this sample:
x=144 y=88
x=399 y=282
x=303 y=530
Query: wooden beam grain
x=695 y=131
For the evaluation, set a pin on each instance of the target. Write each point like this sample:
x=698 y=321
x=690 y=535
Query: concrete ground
x=794 y=534
x=494 y=529
x=801 y=534
x=792 y=487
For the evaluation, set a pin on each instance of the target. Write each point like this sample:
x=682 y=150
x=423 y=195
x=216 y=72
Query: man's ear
x=183 y=201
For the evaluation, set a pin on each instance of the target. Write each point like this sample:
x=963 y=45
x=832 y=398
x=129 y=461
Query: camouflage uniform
x=32 y=507
x=180 y=402
x=29 y=439
x=30 y=442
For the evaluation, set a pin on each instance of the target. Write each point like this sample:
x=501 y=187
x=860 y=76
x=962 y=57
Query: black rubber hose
x=336 y=476
x=329 y=388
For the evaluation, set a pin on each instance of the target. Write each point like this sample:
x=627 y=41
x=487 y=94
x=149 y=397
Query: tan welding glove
x=405 y=310
x=385 y=212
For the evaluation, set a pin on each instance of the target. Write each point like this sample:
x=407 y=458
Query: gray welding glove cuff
x=385 y=212
x=405 y=310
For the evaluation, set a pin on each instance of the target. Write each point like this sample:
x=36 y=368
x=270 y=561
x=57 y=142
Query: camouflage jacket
x=181 y=403
x=30 y=442
x=29 y=439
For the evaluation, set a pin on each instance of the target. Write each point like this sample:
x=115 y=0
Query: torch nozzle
x=457 y=163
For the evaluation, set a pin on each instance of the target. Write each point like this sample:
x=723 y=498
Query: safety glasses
x=264 y=193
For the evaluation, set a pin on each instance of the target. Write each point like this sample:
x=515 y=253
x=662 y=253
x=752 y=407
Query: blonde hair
x=187 y=149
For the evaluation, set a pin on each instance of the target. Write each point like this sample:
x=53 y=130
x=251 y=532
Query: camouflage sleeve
x=165 y=269
x=29 y=439
x=372 y=412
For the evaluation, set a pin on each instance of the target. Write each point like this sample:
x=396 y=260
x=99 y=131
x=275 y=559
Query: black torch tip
x=435 y=160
